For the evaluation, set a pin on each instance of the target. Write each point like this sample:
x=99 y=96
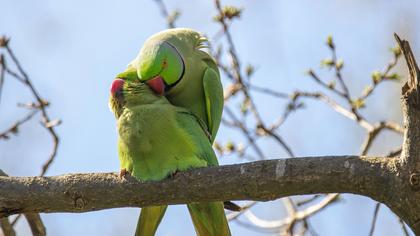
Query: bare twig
x=299 y=215
x=309 y=200
x=245 y=132
x=13 y=129
x=372 y=134
x=267 y=91
x=337 y=107
x=403 y=227
x=42 y=107
x=375 y=217
x=35 y=223
x=2 y=72
x=170 y=17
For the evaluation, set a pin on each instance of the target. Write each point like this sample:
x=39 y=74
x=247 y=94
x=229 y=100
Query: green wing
x=213 y=92
x=199 y=137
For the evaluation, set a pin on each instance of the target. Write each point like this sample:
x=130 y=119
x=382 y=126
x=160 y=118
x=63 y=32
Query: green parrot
x=155 y=140
x=173 y=63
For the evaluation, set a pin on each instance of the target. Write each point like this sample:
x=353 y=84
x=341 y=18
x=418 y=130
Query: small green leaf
x=330 y=42
x=230 y=146
x=228 y=12
x=358 y=103
x=231 y=12
x=245 y=106
x=393 y=76
x=376 y=77
x=339 y=64
x=396 y=50
x=217 y=147
x=327 y=63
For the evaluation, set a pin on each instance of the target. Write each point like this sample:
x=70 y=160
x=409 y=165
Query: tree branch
x=261 y=180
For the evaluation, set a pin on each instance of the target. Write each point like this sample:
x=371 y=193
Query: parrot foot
x=172 y=175
x=123 y=173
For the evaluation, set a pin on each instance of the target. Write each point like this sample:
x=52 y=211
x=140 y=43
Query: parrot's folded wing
x=199 y=135
x=213 y=92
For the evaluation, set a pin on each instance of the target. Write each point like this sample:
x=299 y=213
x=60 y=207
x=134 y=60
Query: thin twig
x=309 y=200
x=337 y=107
x=245 y=132
x=35 y=223
x=170 y=18
x=403 y=227
x=13 y=129
x=372 y=134
x=2 y=72
x=267 y=91
x=300 y=215
x=46 y=120
x=375 y=217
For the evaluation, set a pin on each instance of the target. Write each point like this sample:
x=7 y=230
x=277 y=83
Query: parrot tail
x=209 y=219
x=149 y=220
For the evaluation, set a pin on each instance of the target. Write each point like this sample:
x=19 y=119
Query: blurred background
x=73 y=49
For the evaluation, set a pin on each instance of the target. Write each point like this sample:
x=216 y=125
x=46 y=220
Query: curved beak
x=117 y=87
x=157 y=85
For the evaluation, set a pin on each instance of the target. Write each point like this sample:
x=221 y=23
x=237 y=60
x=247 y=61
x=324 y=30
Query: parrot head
x=116 y=100
x=130 y=93
x=163 y=58
x=160 y=65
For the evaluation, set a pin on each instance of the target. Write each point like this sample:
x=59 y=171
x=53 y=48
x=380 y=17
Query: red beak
x=116 y=86
x=157 y=85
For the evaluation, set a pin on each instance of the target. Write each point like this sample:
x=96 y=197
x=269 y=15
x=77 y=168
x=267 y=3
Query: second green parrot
x=155 y=140
x=173 y=63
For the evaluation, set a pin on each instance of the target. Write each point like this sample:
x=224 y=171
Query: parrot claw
x=123 y=173
x=172 y=175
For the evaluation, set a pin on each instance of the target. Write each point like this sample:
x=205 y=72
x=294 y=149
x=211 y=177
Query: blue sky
x=73 y=49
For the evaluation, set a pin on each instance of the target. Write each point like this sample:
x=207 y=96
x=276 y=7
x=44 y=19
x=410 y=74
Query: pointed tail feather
x=209 y=219
x=149 y=220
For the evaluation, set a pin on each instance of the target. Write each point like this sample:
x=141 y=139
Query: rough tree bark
x=392 y=181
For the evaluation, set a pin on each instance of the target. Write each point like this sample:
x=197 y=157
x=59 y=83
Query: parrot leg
x=149 y=220
x=172 y=175
x=209 y=219
x=123 y=173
